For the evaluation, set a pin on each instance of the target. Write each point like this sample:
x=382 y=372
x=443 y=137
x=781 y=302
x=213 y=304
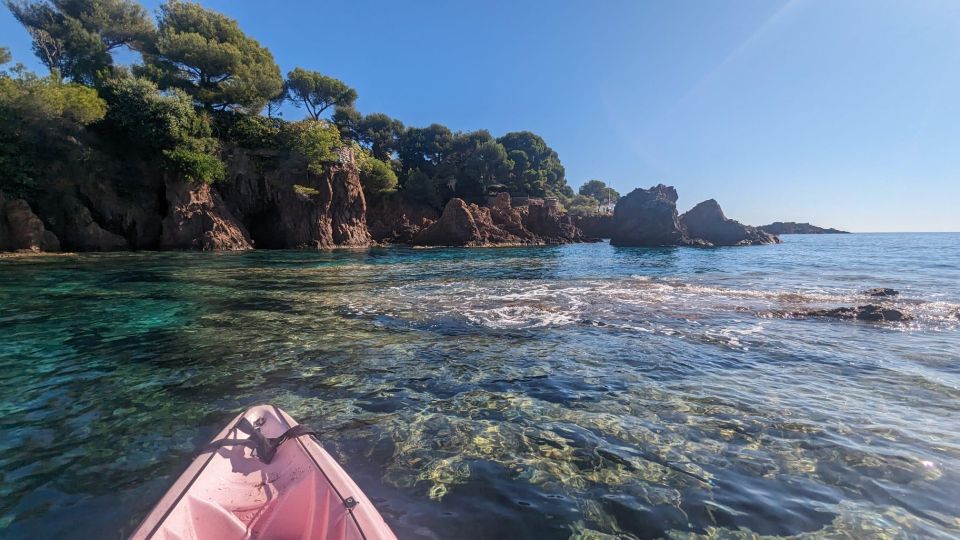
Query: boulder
x=198 y=219
x=22 y=230
x=648 y=217
x=283 y=205
x=707 y=222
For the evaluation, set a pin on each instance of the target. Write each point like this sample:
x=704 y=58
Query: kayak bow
x=263 y=477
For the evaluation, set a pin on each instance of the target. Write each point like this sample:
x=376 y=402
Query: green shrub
x=153 y=119
x=195 y=166
x=314 y=140
x=249 y=131
x=376 y=176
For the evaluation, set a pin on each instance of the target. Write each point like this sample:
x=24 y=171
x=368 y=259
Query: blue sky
x=841 y=113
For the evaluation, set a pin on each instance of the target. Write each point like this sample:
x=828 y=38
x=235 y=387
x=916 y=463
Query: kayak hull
x=228 y=493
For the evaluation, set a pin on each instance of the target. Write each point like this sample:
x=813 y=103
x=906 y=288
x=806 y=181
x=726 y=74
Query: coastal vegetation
x=201 y=83
x=187 y=148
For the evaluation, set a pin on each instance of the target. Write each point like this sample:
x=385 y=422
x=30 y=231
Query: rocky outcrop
x=869 y=312
x=792 y=227
x=547 y=224
x=395 y=220
x=284 y=206
x=881 y=292
x=22 y=230
x=463 y=224
x=648 y=217
x=500 y=224
x=198 y=219
x=707 y=222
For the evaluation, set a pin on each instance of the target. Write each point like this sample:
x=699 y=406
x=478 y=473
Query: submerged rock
x=707 y=221
x=869 y=312
x=648 y=217
x=881 y=291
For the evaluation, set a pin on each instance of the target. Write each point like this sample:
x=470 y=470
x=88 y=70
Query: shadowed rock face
x=394 y=220
x=22 y=230
x=198 y=219
x=595 y=227
x=648 y=217
x=706 y=221
x=283 y=206
x=78 y=230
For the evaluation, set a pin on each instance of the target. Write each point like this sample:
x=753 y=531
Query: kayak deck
x=227 y=492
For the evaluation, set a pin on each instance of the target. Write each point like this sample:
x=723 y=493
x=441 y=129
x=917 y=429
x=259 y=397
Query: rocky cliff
x=268 y=200
x=284 y=206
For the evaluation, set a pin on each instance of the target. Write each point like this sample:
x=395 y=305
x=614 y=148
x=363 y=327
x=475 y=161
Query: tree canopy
x=75 y=38
x=317 y=92
x=598 y=190
x=379 y=133
x=208 y=56
x=201 y=74
x=536 y=167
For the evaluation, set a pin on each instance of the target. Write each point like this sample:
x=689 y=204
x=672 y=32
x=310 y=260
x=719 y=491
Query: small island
x=792 y=227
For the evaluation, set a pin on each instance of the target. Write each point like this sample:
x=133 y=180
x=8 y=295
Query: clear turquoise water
x=556 y=392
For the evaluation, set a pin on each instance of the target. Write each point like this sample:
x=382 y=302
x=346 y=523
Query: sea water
x=553 y=392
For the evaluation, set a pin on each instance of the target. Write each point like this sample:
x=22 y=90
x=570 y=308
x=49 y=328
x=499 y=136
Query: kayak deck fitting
x=262 y=477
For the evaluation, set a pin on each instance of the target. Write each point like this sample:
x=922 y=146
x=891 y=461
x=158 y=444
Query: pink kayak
x=264 y=476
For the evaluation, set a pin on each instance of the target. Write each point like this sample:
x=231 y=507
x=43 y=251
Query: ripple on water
x=570 y=392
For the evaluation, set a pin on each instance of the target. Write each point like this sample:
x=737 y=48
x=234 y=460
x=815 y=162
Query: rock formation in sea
x=792 y=227
x=197 y=219
x=869 y=312
x=500 y=224
x=648 y=217
x=707 y=222
x=881 y=292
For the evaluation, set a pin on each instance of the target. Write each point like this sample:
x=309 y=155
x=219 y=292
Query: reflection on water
x=571 y=392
